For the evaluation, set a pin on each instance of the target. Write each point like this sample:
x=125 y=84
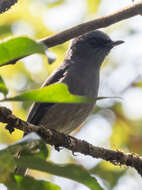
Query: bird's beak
x=116 y=43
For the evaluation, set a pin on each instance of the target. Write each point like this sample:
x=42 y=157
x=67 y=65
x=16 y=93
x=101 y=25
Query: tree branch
x=57 y=139
x=135 y=9
x=6 y=4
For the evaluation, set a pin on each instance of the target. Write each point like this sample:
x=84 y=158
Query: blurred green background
x=115 y=124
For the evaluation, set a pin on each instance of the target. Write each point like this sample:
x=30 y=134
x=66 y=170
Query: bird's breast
x=82 y=81
x=66 y=117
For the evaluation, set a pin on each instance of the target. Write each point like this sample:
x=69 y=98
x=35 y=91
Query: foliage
x=20 y=26
x=33 y=156
x=3 y=87
x=18 y=47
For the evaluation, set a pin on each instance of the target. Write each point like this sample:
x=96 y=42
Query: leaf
x=5 y=29
x=26 y=182
x=54 y=93
x=34 y=153
x=70 y=171
x=18 y=182
x=29 y=145
x=7 y=165
x=3 y=87
x=15 y=48
x=108 y=172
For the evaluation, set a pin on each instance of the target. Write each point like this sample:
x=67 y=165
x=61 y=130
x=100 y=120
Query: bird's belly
x=66 y=117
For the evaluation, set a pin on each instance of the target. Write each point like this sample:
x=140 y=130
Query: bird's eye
x=99 y=42
x=93 y=41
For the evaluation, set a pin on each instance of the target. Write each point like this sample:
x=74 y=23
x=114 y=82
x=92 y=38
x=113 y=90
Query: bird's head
x=94 y=45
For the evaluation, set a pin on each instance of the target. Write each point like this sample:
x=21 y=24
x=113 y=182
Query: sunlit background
x=115 y=123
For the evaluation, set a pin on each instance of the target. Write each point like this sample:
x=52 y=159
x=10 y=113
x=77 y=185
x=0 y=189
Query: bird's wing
x=38 y=109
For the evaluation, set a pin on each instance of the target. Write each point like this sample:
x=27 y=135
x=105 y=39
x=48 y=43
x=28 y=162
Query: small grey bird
x=80 y=71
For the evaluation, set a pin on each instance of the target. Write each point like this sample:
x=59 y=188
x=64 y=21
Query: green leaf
x=26 y=182
x=11 y=184
x=70 y=171
x=54 y=93
x=106 y=172
x=3 y=87
x=34 y=153
x=15 y=48
x=31 y=145
x=5 y=29
x=18 y=182
x=7 y=165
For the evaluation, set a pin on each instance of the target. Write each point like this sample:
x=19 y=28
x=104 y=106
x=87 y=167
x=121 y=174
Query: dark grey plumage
x=80 y=71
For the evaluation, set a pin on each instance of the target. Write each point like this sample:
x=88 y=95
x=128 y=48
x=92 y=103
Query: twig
x=135 y=9
x=6 y=4
x=57 y=139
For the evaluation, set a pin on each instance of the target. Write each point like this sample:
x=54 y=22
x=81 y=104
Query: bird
x=80 y=71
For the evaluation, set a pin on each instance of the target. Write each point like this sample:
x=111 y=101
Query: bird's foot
x=58 y=148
